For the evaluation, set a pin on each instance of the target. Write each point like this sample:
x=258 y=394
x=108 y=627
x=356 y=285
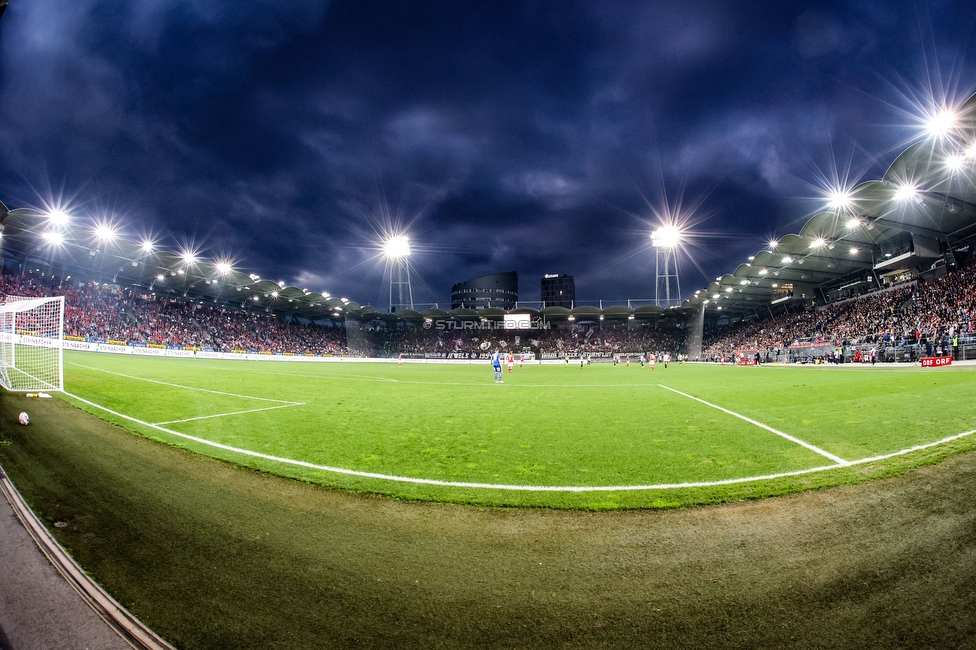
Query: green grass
x=545 y=426
x=212 y=556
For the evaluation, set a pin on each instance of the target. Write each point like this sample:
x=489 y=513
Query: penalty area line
x=520 y=488
x=794 y=439
x=224 y=415
x=166 y=383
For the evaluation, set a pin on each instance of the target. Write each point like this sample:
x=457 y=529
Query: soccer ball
x=23 y=418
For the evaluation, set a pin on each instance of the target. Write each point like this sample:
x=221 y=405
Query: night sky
x=541 y=137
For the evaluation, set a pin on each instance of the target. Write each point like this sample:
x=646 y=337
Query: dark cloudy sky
x=534 y=136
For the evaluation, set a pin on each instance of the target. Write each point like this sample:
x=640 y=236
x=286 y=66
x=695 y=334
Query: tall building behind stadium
x=498 y=290
x=558 y=290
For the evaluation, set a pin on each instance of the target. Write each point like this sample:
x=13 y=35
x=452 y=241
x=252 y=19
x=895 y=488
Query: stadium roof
x=928 y=192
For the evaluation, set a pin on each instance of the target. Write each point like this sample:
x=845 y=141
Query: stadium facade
x=558 y=290
x=495 y=291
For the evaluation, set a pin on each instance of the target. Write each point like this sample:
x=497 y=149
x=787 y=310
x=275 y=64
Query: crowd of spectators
x=937 y=311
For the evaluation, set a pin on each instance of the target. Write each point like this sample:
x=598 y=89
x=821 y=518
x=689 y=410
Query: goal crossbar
x=31 y=343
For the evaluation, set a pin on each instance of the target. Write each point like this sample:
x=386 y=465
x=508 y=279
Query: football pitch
x=551 y=435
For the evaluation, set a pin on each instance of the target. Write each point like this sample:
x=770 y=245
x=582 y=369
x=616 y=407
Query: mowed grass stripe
x=539 y=435
x=854 y=412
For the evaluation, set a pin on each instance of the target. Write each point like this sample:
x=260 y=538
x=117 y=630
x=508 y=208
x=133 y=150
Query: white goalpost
x=31 y=350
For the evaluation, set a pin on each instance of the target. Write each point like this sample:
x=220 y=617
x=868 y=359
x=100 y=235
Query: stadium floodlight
x=839 y=199
x=728 y=290
x=955 y=163
x=787 y=259
x=744 y=282
x=188 y=257
x=52 y=237
x=775 y=286
x=763 y=271
x=161 y=276
x=667 y=237
x=223 y=268
x=58 y=217
x=854 y=223
x=274 y=294
x=716 y=296
x=752 y=257
x=971 y=151
x=772 y=244
x=906 y=192
x=854 y=250
x=940 y=123
x=819 y=242
x=147 y=246
x=105 y=232
x=397 y=247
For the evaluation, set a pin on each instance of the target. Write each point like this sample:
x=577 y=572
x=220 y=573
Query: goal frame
x=31 y=335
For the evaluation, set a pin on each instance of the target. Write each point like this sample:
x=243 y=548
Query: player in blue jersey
x=496 y=363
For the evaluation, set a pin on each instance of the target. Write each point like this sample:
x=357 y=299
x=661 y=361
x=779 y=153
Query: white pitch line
x=813 y=448
x=166 y=383
x=224 y=415
x=519 y=488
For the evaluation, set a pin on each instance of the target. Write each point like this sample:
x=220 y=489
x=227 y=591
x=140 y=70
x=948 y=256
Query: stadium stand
x=914 y=318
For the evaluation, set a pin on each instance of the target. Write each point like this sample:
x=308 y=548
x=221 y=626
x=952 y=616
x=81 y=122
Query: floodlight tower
x=666 y=240
x=396 y=249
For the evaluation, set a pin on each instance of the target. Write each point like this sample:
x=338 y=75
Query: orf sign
x=933 y=362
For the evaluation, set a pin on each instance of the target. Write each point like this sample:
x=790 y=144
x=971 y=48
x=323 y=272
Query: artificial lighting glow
x=752 y=257
x=729 y=290
x=58 y=217
x=254 y=298
x=955 y=163
x=940 y=123
x=744 y=282
x=53 y=238
x=716 y=296
x=775 y=286
x=397 y=247
x=181 y=272
x=971 y=151
x=147 y=246
x=763 y=271
x=773 y=244
x=854 y=250
x=853 y=224
x=818 y=243
x=906 y=192
x=274 y=294
x=160 y=277
x=188 y=257
x=105 y=232
x=667 y=237
x=223 y=268
x=839 y=200
x=787 y=259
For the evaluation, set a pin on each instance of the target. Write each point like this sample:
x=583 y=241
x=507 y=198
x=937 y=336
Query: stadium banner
x=146 y=351
x=158 y=346
x=109 y=348
x=73 y=338
x=936 y=362
x=136 y=344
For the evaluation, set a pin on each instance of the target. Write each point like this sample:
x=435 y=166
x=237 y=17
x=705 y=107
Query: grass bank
x=213 y=555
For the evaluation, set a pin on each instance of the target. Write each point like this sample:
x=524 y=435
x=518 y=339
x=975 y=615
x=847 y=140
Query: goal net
x=31 y=353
